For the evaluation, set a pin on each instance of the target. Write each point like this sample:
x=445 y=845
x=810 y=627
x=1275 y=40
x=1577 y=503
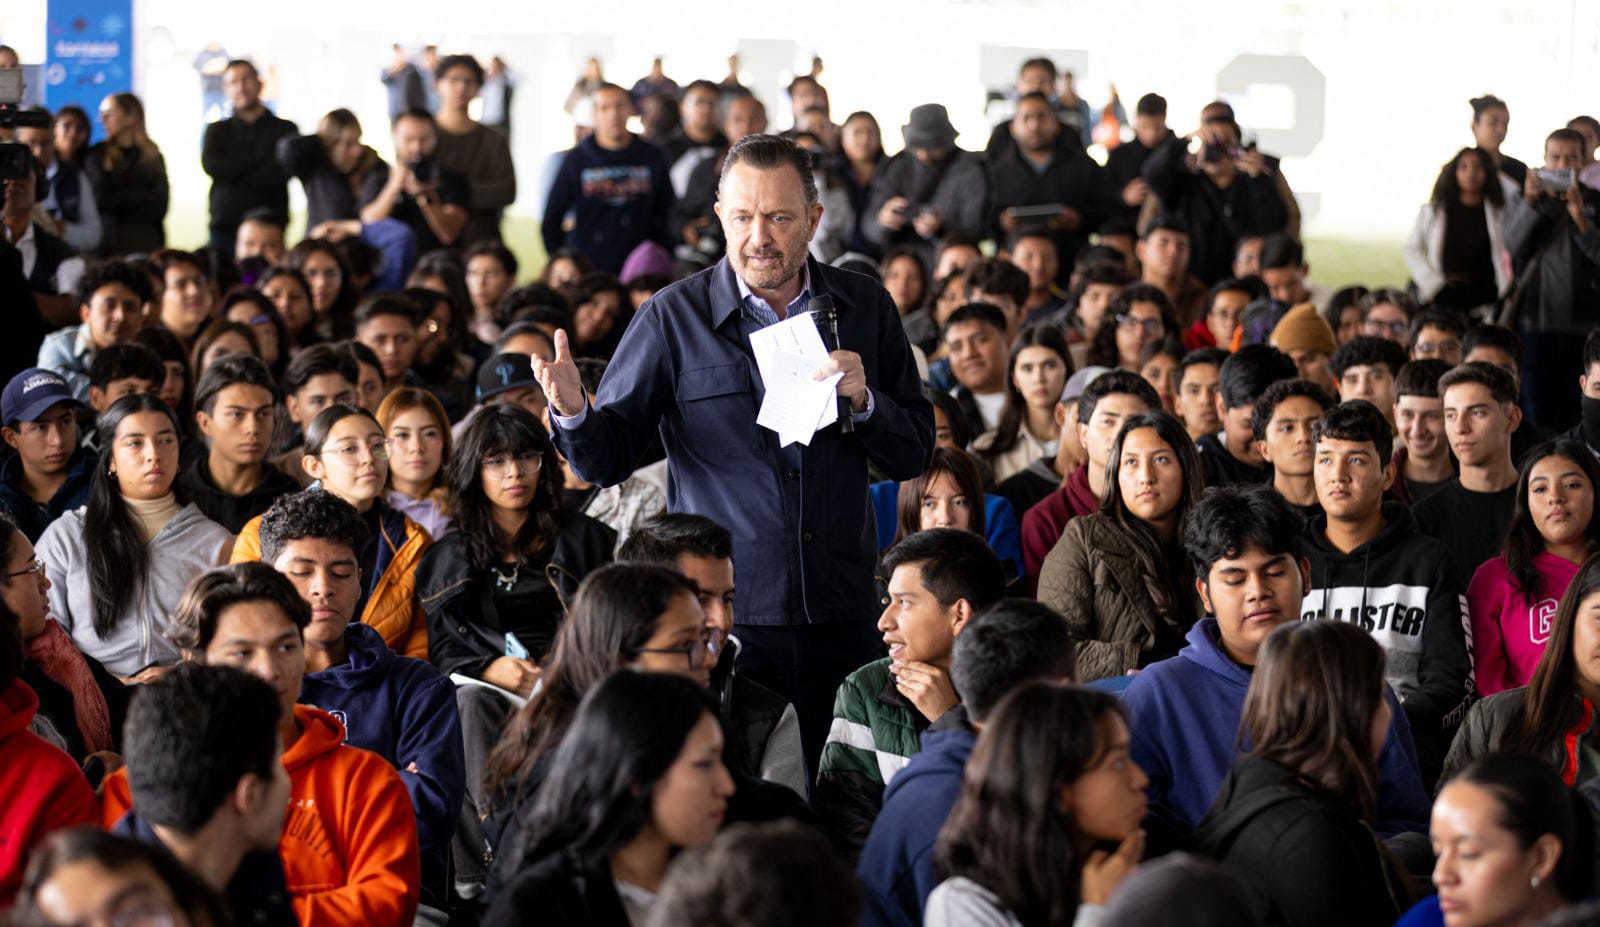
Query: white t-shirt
x=989 y=406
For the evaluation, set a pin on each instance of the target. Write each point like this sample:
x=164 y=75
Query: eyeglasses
x=350 y=453
x=498 y=462
x=1427 y=348
x=1379 y=328
x=35 y=568
x=1150 y=326
x=709 y=645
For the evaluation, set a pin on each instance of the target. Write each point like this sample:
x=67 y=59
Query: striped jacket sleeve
x=849 y=782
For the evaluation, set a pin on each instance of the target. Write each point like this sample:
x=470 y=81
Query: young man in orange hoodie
x=349 y=842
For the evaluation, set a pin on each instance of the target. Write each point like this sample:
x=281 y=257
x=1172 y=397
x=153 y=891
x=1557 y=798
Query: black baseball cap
x=503 y=373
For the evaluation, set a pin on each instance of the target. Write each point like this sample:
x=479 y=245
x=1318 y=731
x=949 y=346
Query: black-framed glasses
x=709 y=645
x=1150 y=326
x=35 y=568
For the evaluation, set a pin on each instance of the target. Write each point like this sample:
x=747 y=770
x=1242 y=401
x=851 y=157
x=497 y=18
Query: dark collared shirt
x=803 y=529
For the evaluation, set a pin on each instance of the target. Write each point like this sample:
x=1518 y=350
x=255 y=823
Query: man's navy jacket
x=804 y=536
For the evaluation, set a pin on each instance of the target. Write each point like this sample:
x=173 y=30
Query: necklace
x=505 y=582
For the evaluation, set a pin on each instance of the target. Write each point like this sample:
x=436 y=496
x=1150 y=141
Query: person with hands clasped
x=1047 y=825
x=939 y=579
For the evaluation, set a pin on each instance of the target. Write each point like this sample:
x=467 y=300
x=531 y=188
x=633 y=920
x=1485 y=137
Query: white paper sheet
x=788 y=355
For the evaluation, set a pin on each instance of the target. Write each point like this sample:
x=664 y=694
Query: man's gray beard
x=776 y=278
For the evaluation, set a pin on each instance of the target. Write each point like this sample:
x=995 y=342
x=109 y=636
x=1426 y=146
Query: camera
x=1555 y=181
x=16 y=161
x=422 y=170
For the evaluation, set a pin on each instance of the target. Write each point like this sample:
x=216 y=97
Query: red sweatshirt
x=349 y=843
x=1042 y=525
x=43 y=788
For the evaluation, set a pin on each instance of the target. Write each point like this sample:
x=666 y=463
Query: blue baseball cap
x=32 y=393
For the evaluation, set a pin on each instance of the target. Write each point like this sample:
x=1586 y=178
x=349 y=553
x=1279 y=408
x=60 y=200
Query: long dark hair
x=963 y=470
x=625 y=735
x=114 y=547
x=613 y=615
x=13 y=652
x=1015 y=412
x=1447 y=191
x=509 y=429
x=1550 y=706
x=1316 y=689
x=169 y=348
x=1523 y=540
x=1533 y=802
x=1006 y=830
x=339 y=321
x=1169 y=581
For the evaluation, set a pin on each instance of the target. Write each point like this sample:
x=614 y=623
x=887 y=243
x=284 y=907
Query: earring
x=1535 y=882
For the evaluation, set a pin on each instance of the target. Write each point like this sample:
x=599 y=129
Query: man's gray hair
x=768 y=152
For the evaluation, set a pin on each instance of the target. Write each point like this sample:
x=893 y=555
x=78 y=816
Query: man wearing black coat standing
x=239 y=154
x=803 y=533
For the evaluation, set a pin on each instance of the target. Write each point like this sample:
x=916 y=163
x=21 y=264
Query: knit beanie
x=1302 y=329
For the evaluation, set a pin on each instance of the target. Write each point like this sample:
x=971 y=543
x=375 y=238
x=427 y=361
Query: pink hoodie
x=1508 y=632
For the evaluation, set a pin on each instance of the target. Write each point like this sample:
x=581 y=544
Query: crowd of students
x=1223 y=597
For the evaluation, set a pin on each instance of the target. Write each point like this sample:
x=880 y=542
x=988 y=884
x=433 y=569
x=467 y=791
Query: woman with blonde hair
x=418 y=434
x=129 y=178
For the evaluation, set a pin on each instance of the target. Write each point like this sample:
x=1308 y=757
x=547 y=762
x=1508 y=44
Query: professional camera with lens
x=16 y=161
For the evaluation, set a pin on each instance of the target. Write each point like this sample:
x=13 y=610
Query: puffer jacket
x=392 y=606
x=1092 y=576
x=875 y=733
x=1576 y=756
x=447 y=591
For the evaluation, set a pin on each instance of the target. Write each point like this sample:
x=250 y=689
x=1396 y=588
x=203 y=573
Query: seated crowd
x=1223 y=598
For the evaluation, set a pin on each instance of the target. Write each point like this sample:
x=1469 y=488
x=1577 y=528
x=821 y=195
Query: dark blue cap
x=32 y=393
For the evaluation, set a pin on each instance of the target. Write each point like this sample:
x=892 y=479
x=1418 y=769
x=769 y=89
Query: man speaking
x=803 y=529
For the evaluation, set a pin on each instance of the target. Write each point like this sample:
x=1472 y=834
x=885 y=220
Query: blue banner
x=88 y=53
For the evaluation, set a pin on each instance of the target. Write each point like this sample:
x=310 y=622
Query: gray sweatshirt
x=185 y=547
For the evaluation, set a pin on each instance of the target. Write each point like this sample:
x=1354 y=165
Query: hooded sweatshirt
x=349 y=842
x=1403 y=588
x=186 y=546
x=43 y=788
x=1042 y=525
x=1184 y=714
x=897 y=863
x=405 y=711
x=1508 y=631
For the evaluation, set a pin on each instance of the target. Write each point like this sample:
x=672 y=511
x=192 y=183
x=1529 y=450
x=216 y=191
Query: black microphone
x=822 y=313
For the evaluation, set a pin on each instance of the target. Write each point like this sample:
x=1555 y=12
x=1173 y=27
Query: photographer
x=48 y=262
x=1221 y=193
x=1551 y=232
x=429 y=200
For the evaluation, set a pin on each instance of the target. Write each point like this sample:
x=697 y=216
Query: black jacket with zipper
x=447 y=588
x=1403 y=587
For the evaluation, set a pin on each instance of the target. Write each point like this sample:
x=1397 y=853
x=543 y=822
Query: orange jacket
x=349 y=844
x=392 y=608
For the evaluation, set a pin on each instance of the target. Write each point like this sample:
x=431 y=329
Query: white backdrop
x=1395 y=75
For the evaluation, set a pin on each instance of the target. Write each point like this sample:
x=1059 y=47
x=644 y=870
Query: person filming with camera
x=417 y=192
x=1553 y=234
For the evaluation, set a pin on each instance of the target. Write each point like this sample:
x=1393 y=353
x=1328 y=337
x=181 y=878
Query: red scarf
x=61 y=660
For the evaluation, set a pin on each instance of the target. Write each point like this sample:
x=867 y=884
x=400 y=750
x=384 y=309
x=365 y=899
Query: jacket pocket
x=717 y=408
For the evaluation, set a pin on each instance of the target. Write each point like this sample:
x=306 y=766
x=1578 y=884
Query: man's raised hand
x=559 y=379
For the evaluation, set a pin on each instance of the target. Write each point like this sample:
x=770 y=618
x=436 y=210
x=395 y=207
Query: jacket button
x=806 y=536
x=462 y=629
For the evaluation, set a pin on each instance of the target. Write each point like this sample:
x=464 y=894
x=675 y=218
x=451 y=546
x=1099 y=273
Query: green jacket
x=875 y=733
x=1576 y=757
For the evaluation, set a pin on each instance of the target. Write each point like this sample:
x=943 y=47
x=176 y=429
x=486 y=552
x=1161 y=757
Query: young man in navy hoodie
x=399 y=708
x=1372 y=567
x=209 y=787
x=1013 y=642
x=1184 y=713
x=616 y=186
